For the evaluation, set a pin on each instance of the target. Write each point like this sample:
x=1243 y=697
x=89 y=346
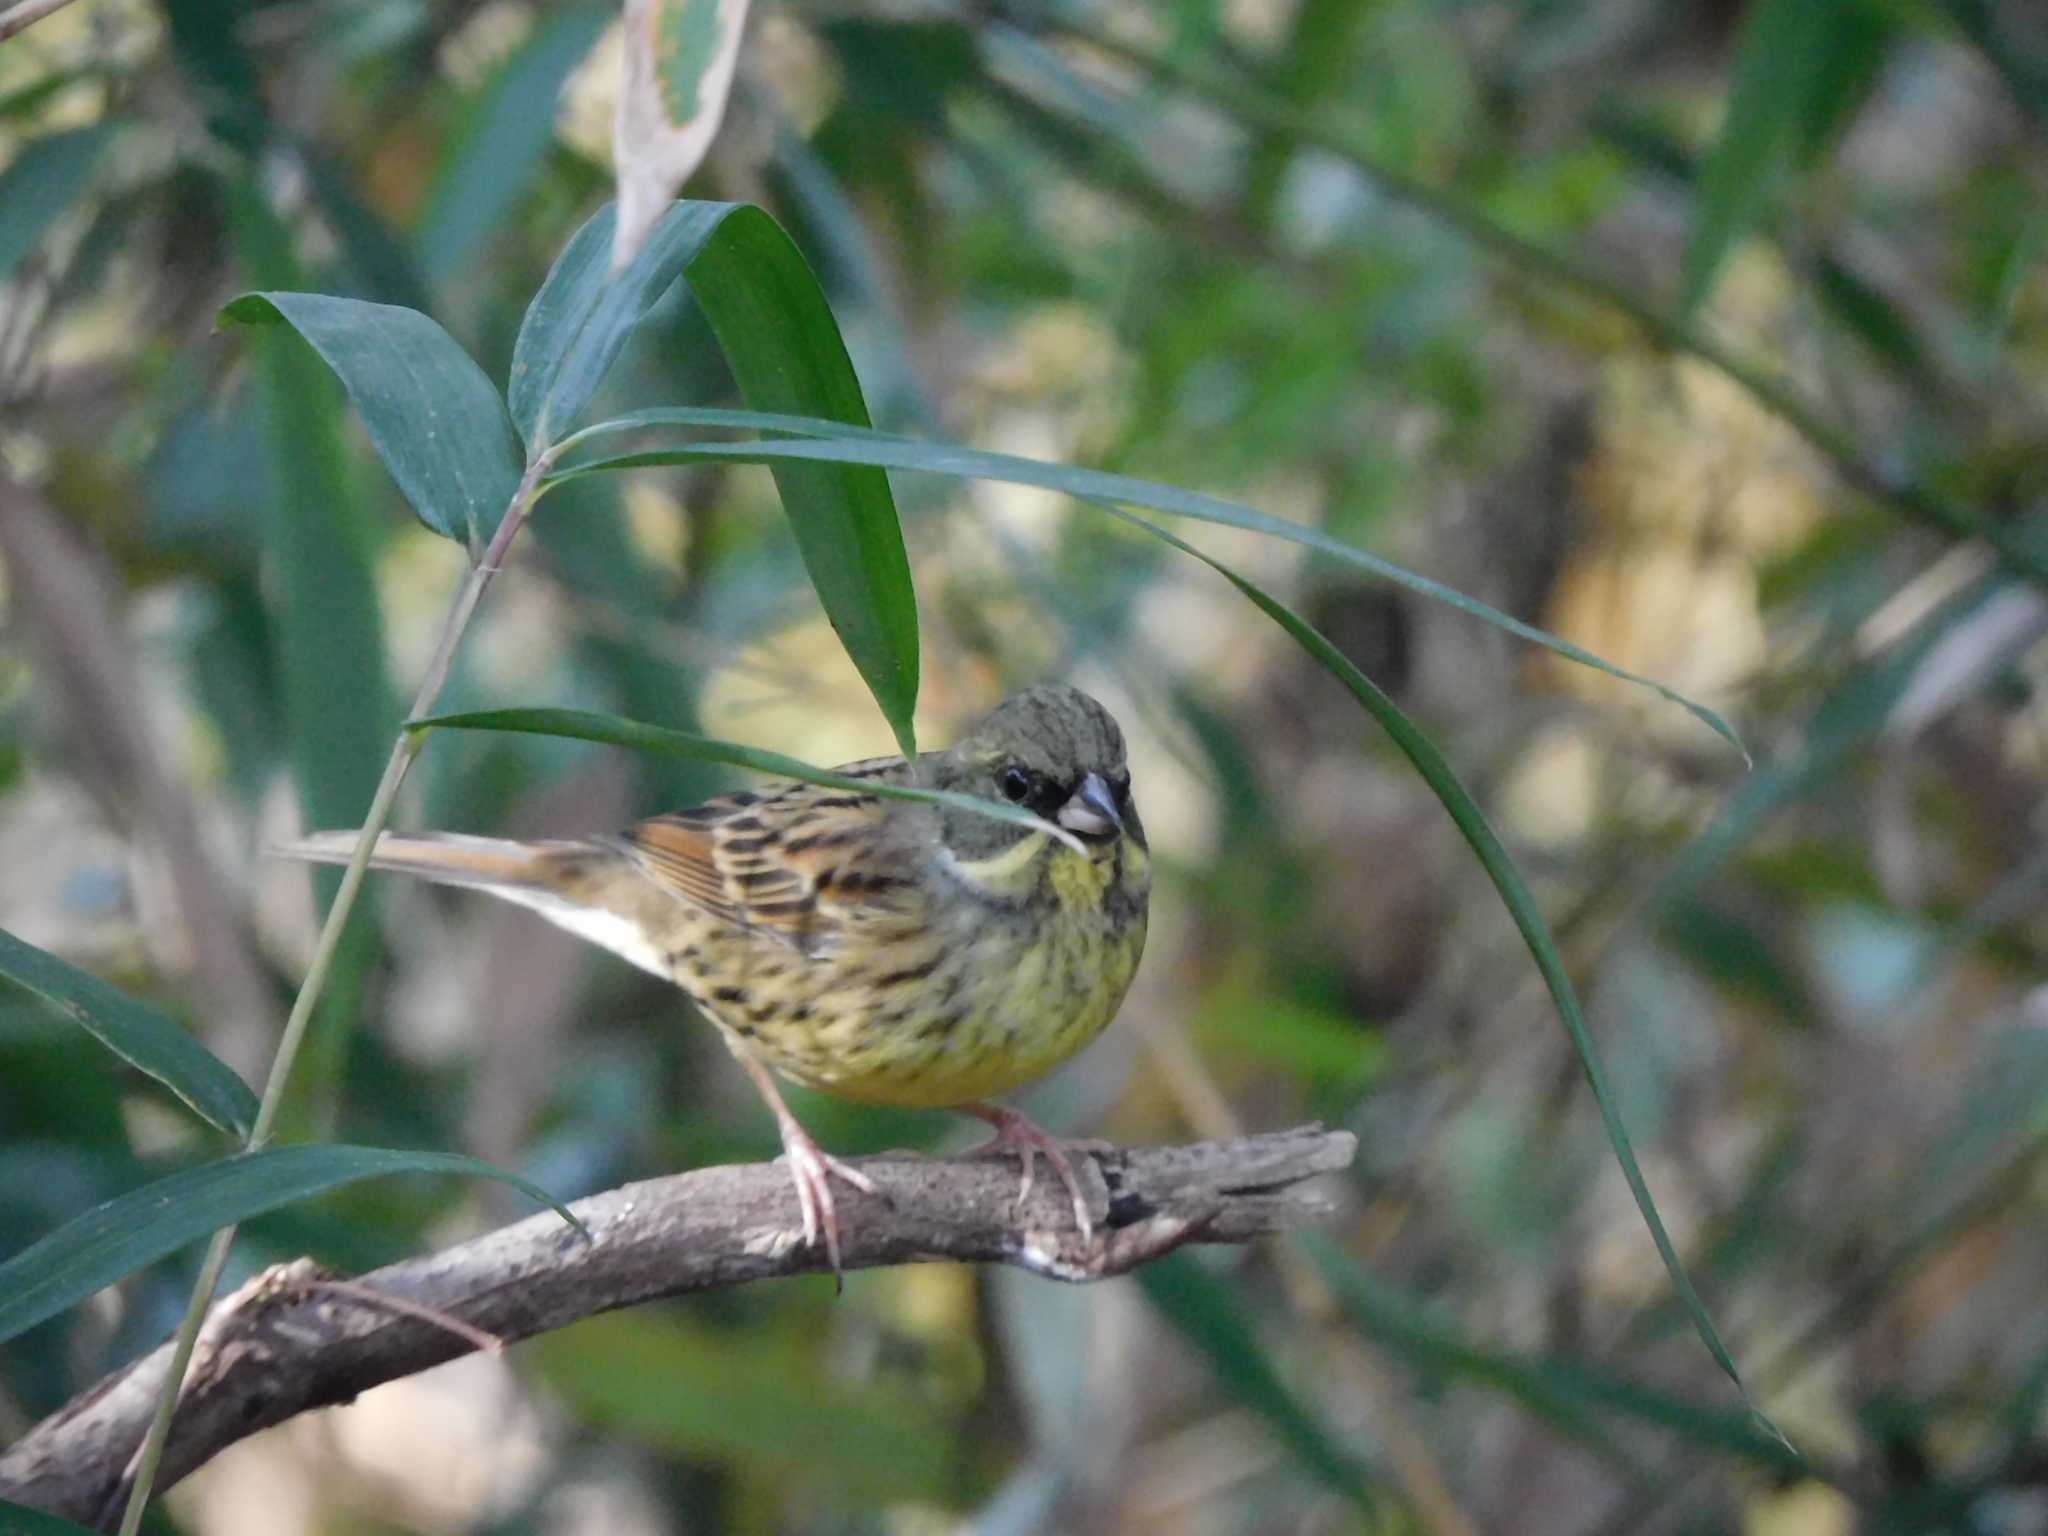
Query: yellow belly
x=1029 y=1010
x=959 y=1005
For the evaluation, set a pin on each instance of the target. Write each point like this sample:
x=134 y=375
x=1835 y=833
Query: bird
x=883 y=950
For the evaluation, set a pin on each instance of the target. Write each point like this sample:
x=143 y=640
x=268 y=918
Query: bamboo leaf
x=1209 y=1314
x=582 y=725
x=434 y=418
x=138 y=1034
x=823 y=441
x=326 y=625
x=1574 y=1397
x=43 y=179
x=20 y=1520
x=754 y=1400
x=500 y=140
x=1515 y=895
x=1780 y=69
x=136 y=1229
x=786 y=354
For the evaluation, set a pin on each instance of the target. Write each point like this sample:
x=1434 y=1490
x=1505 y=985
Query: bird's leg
x=811 y=1167
x=1015 y=1131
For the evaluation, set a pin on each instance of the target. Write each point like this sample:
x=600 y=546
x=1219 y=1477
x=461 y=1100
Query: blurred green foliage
x=1702 y=335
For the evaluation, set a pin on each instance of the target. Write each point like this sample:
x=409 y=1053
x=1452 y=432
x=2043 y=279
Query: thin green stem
x=1267 y=113
x=403 y=752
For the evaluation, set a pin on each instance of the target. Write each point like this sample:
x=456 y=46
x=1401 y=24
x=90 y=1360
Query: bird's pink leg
x=1015 y=1131
x=811 y=1167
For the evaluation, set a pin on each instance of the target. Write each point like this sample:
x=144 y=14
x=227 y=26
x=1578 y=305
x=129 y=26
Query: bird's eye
x=1015 y=784
x=1121 y=784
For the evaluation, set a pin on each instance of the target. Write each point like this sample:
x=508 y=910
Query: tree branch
x=285 y=1343
x=19 y=18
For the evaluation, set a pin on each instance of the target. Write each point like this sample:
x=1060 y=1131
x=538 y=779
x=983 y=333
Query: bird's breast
x=978 y=993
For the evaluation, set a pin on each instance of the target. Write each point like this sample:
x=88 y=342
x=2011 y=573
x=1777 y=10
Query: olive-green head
x=1052 y=750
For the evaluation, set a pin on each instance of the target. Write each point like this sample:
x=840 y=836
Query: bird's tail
x=586 y=888
x=446 y=858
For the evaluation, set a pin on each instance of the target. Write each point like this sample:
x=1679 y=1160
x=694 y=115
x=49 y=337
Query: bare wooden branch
x=22 y=16
x=285 y=1343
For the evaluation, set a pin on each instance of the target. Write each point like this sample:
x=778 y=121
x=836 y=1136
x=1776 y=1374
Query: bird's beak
x=1091 y=810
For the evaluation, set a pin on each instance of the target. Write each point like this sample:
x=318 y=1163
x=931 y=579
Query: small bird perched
x=888 y=951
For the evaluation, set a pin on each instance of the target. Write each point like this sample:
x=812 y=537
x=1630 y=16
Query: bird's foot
x=812 y=1169
x=1015 y=1132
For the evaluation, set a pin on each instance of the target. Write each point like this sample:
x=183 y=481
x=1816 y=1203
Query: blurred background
x=1704 y=334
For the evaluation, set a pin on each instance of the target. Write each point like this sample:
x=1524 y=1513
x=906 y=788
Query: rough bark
x=290 y=1341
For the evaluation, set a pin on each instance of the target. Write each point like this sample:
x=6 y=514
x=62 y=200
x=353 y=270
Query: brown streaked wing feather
x=680 y=857
x=776 y=862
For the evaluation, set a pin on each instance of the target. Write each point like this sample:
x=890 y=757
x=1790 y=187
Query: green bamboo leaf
x=823 y=440
x=435 y=419
x=320 y=545
x=43 y=179
x=136 y=1229
x=320 y=550
x=1781 y=68
x=582 y=725
x=20 y=1520
x=138 y=1034
x=2025 y=74
x=28 y=99
x=1859 y=305
x=786 y=354
x=1576 y=1398
x=500 y=138
x=371 y=261
x=759 y=1401
x=1852 y=715
x=1211 y=1315
x=1514 y=894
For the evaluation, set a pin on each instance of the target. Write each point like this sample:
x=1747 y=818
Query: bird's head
x=1057 y=753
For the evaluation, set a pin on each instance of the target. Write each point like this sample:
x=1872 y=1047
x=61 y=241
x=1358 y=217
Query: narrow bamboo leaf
x=567 y=306
x=761 y=1401
x=1567 y=1393
x=578 y=323
x=1514 y=894
x=372 y=262
x=133 y=1230
x=28 y=99
x=786 y=354
x=679 y=56
x=435 y=419
x=138 y=1034
x=20 y=1520
x=326 y=627
x=1780 y=67
x=891 y=452
x=2013 y=270
x=40 y=182
x=500 y=140
x=1210 y=1315
x=582 y=725
x=1855 y=711
x=1860 y=32
x=2025 y=75
x=222 y=75
x=319 y=548
x=1867 y=312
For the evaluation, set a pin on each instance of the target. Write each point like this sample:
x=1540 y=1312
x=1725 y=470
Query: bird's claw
x=812 y=1170
x=1017 y=1133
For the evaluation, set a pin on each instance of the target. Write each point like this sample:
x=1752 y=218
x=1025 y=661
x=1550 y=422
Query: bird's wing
x=798 y=862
